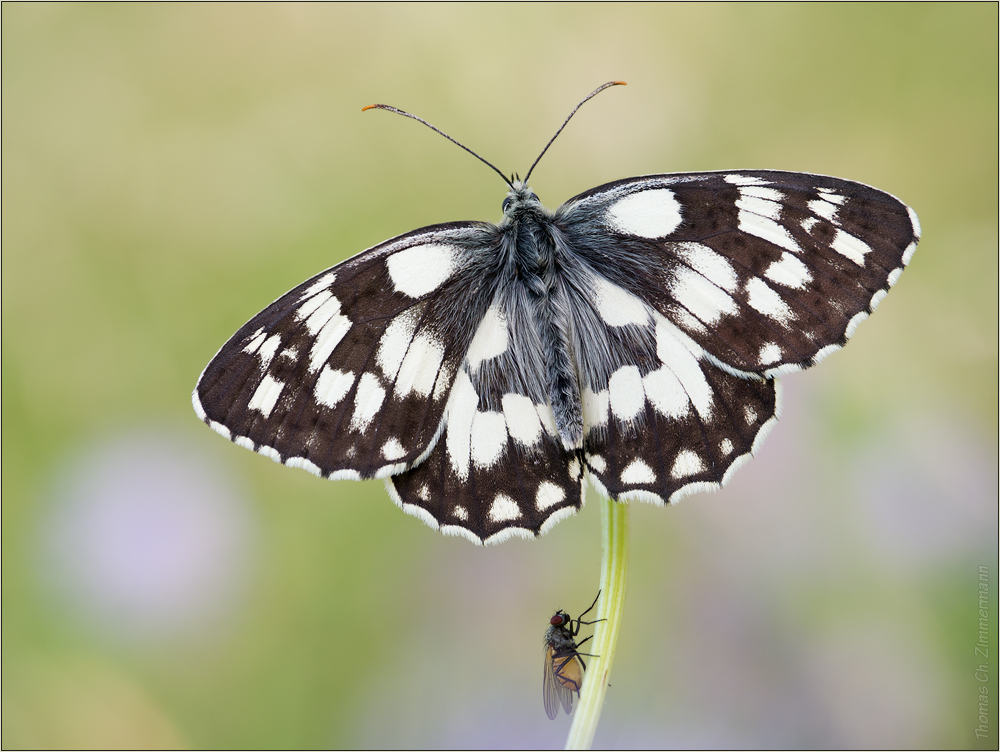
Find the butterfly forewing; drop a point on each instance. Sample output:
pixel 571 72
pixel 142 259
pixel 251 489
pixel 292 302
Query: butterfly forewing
pixel 766 271
pixel 348 374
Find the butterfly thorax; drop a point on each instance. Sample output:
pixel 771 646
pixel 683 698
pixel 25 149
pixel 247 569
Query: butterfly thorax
pixel 528 233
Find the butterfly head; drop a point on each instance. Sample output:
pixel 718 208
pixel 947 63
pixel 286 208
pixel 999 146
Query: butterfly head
pixel 520 200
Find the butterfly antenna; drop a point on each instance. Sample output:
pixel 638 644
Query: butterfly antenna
pixel 586 99
pixel 438 130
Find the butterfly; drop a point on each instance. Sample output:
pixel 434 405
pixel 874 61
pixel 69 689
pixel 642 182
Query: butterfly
pixel 631 338
pixel 564 666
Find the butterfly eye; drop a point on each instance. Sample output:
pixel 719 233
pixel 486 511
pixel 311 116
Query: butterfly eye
pixel 506 203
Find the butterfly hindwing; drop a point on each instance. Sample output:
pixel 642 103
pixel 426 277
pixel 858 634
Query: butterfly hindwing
pixel 348 374
pixel 767 271
pixel 671 422
pixel 500 468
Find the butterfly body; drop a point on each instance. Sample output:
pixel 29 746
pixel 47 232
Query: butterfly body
pixel 631 337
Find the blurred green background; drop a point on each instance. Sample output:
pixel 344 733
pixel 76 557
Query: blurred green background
pixel 168 170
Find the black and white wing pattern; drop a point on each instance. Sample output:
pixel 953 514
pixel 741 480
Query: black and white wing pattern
pixel 348 374
pixel 631 338
pixel 402 357
pixel 720 282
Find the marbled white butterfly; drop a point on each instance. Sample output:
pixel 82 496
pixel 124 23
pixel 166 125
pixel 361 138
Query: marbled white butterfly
pixel 632 337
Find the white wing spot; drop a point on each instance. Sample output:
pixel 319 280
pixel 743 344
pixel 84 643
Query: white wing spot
pixel 268 349
pixel 625 392
pixel 750 414
pixel 488 437
pixel 744 180
pixel 549 494
pixel 850 247
pixel 367 401
pixel 424 494
pixel 443 382
pixel 854 323
pixel 503 509
pixel 769 353
pixel 914 222
pixel 767 229
pixel 834 198
pixel 461 410
pixel 809 223
pixel 269 452
pixel 638 472
pixel 877 298
pixel 595 407
pixel 597 462
pixel 824 209
pixel 266 396
pixel 715 268
pixel 789 271
pixel 665 392
pixel 616 306
pixel 649 214
pixel 763 299
pixel 687 463
pixel 761 201
pixel 318 311
pixel 548 418
pixel 330 327
pixel 332 386
pixel 700 297
pixel 676 350
pixel 319 285
pixel 421 269
pixel 490 339
pixel 574 469
pixel 689 321
pixel 394 342
pixel 393 450
pixel 302 462
pixel 255 341
pixel 313 304
pixel 420 367
pixel 522 419
pixel 725 447
pixel 289 352
pixel 458 511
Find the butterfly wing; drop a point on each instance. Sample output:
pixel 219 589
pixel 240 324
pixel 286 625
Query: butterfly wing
pixel 704 287
pixel 500 468
pixel 348 374
pixel 766 271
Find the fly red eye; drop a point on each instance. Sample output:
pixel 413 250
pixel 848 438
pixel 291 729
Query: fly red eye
pixel 557 620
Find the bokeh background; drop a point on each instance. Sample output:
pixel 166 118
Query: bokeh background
pixel 170 170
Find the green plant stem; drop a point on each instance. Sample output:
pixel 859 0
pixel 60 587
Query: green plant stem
pixel 614 571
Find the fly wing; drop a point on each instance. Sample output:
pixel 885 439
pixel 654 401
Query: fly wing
pixel 551 688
